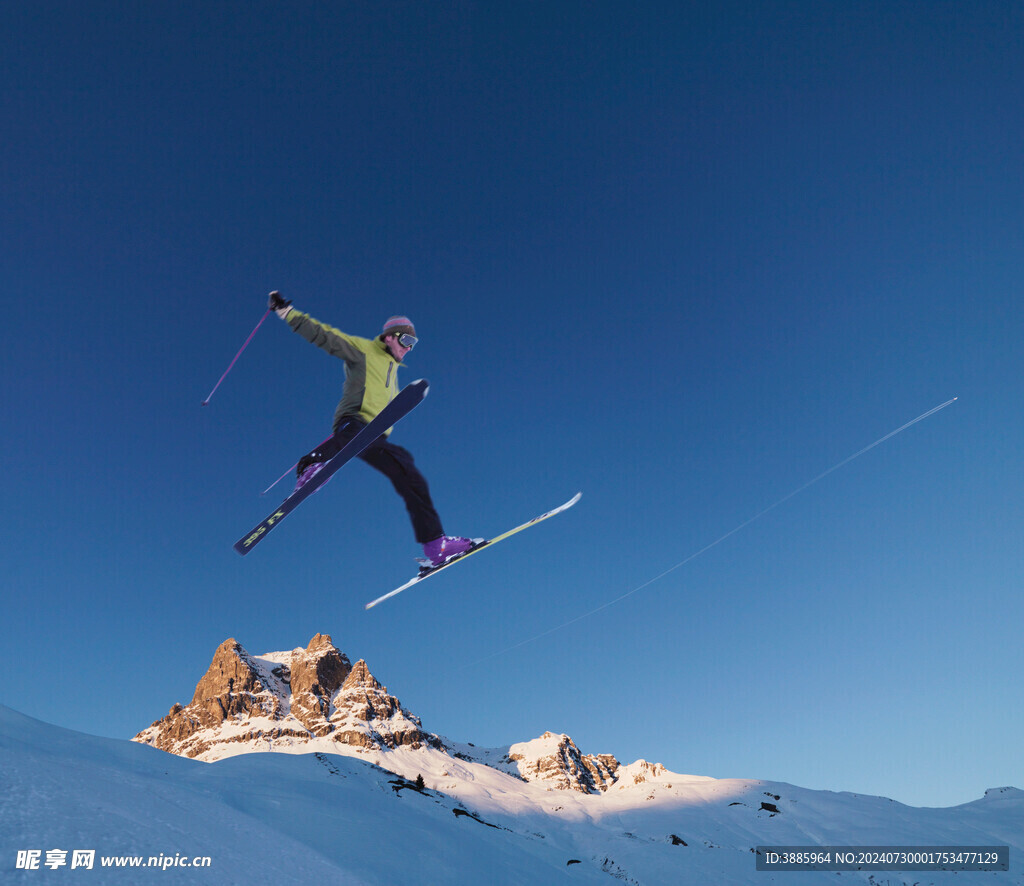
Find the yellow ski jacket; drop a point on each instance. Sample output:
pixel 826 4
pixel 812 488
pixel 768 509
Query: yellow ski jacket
pixel 371 372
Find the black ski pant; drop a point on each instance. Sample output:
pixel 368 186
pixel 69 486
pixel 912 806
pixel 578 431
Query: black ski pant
pixel 397 465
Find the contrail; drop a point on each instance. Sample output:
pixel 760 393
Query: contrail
pixel 729 534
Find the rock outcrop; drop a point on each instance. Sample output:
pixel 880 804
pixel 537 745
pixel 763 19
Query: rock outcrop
pixel 279 700
pixel 315 699
pixel 555 759
pixel 317 673
pixel 364 714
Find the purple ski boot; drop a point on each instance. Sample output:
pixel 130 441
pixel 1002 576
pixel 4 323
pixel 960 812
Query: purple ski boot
pixel 307 473
pixel 442 549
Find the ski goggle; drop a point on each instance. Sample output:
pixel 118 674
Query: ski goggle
pixel 407 341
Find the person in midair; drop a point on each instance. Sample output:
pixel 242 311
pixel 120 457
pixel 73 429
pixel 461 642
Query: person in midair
pixel 371 381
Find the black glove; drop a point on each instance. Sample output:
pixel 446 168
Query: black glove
pixel 278 301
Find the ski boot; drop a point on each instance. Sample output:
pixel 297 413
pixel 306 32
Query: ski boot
pixel 444 548
pixel 306 470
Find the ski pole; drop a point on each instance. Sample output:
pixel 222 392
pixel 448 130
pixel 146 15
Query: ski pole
pixel 239 354
pixel 279 479
pixel 292 468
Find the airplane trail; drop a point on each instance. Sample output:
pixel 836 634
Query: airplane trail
pixel 727 535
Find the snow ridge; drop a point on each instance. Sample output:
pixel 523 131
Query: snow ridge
pixel 588 816
pixel 390 815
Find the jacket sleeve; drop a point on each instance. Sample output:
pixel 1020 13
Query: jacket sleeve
pixel 334 341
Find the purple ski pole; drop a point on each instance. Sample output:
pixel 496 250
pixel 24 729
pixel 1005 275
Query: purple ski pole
pixel 292 468
pixel 239 354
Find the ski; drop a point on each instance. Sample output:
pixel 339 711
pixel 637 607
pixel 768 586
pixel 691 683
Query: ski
pixel 403 403
pixel 428 571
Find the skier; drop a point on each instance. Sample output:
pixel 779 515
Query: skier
pixel 371 381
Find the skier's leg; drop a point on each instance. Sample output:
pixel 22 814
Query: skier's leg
pixel 398 466
pixel 345 431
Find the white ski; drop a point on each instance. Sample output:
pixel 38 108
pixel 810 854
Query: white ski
pixel 427 572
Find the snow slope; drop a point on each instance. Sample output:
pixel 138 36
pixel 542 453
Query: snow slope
pixel 317 817
pixel 261 818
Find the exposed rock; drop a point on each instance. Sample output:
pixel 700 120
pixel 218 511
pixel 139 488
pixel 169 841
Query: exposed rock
pixel 556 759
pixel 233 688
pixel 366 715
pixel 642 771
pixel 316 674
pixel 290 697
pixel 315 697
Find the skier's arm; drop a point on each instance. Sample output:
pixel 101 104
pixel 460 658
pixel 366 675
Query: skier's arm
pixel 334 341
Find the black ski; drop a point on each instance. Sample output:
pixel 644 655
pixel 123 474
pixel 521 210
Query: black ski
pixel 404 402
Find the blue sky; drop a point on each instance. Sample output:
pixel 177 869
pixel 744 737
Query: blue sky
pixel 682 259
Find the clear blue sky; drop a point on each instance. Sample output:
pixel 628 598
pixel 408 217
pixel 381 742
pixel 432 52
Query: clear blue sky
pixel 683 257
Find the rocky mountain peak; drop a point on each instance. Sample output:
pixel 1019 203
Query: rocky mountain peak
pixel 555 759
pixel 230 671
pixel 282 699
pixel 317 673
pixel 314 698
pixel 361 678
pixel 365 714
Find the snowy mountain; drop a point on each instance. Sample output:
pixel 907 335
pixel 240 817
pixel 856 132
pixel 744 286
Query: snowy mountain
pixel 314 699
pixel 257 818
pixel 285 701
pixel 363 794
